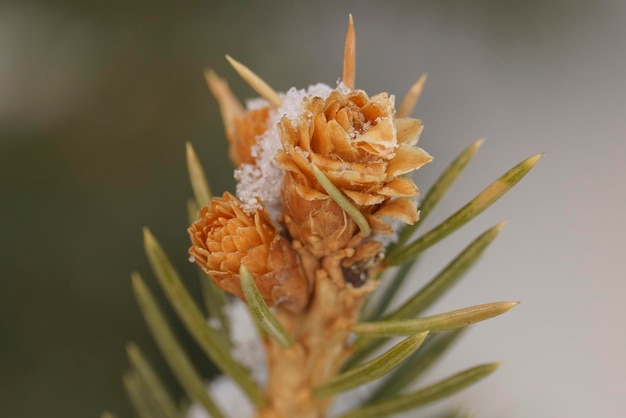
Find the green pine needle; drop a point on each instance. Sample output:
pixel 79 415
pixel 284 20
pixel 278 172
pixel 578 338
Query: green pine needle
pixel 427 295
pixel 435 323
pixel 208 339
pixel 477 205
pixel 260 312
pixel 339 198
pixel 137 396
pixel 199 183
pixel 371 370
pixel 376 305
pixel 448 276
pixel 147 374
pixel 432 393
pixel 434 195
pixel 171 349
pixel 192 210
pixel 438 191
pixel 415 366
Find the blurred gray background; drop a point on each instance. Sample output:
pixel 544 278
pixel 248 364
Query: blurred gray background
pixel 97 100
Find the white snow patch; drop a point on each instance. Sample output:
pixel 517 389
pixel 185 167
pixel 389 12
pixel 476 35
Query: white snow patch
pixel 249 351
pixel 215 323
pixel 260 183
pixel 256 103
pixel 247 348
pixel 342 88
pixel 229 398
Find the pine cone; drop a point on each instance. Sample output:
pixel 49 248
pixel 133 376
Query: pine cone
pixel 225 237
pixel 356 141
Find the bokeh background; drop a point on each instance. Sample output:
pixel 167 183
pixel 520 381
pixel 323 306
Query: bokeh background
pixel 97 100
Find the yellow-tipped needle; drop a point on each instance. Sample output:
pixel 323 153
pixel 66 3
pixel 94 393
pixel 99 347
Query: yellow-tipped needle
pixel 230 108
pixel 256 83
pixel 411 98
pixel 349 53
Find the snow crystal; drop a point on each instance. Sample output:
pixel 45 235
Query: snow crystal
pixel 260 183
pixel 342 88
pixel 256 103
pixel 247 346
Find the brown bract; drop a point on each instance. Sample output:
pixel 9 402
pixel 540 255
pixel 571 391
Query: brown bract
pixel 363 149
pixel 244 133
pixel 224 237
pixel 242 126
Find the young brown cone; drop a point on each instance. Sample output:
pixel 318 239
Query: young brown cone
pixel 224 237
pixel 356 141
